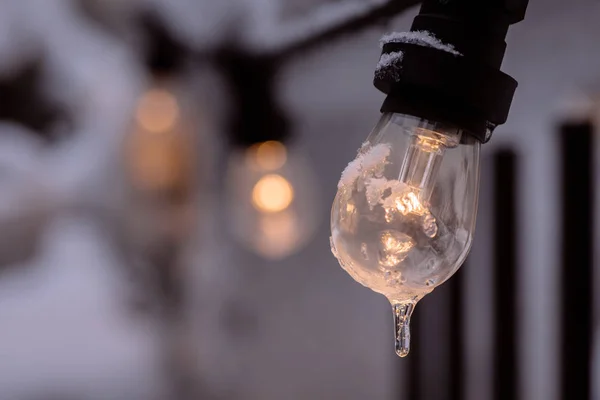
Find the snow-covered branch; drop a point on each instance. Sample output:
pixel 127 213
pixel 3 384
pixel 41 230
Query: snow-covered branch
pixel 327 22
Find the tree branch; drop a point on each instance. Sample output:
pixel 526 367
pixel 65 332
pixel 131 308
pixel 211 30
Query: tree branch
pixel 330 23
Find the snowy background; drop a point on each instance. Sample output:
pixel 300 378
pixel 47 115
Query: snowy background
pixel 71 323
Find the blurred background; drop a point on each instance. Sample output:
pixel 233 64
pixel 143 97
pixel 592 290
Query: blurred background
pixel 167 170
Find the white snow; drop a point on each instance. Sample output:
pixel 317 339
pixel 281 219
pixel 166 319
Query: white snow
pixel 420 38
pixel 388 59
pixel 398 190
pixel 389 65
pixel 350 174
pixel 377 187
pixel 202 24
pixel 370 161
pixel 64 329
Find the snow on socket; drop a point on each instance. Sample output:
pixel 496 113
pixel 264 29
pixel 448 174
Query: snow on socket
pixel 389 65
pixel 420 38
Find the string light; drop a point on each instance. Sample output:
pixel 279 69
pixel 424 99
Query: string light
pixel 271 199
pixel 403 219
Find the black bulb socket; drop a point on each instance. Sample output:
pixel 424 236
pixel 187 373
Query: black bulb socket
pixel 464 87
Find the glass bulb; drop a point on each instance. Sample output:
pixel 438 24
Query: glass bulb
pixel 403 219
pixel 271 199
pixel 162 165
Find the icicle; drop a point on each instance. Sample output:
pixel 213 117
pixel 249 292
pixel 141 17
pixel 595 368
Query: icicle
pixel 402 314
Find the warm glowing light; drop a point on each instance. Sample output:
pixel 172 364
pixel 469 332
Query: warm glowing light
pixel 278 234
pixel 394 247
pixel 159 164
pixel 350 208
pixel 431 141
pixel 408 203
pixel 160 160
pixel 272 193
pixel 349 218
pixel 428 145
pixel 268 156
pixel 157 111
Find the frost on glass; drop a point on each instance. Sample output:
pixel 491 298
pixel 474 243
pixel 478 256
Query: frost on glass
pixel 403 219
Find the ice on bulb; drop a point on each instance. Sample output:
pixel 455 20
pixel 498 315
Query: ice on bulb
pixel 403 219
pixel 271 206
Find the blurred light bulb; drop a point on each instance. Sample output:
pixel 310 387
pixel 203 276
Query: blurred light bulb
pixel 157 111
pixel 268 156
pixel 159 155
pixel 404 215
pixel 271 199
pixel 162 166
pixel 272 193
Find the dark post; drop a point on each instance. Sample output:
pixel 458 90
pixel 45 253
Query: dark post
pixel 415 365
pixel 576 139
pixel 506 365
pixel 432 357
pixel 457 335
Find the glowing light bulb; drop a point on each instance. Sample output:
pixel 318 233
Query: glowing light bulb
pixel 268 156
pixel 404 215
pixel 162 166
pixel 272 193
pixel 271 199
pixel 159 149
pixel 157 111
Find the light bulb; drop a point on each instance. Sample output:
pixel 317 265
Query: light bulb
pixel 271 199
pixel 403 219
pixel 272 193
pixel 162 165
pixel 157 111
